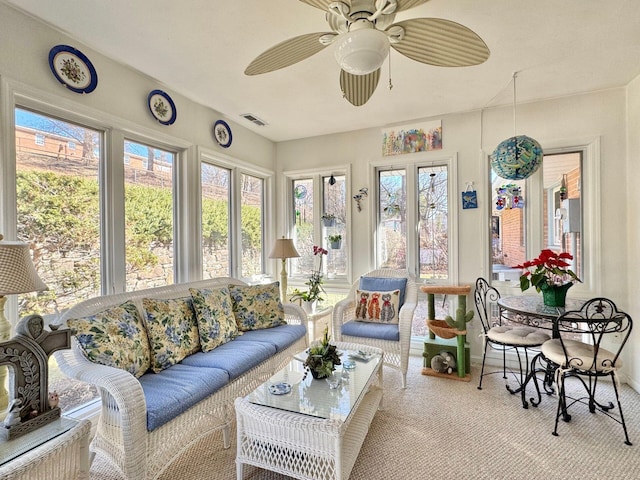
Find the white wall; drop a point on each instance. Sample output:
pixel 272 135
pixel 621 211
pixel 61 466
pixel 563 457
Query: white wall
pixel 632 257
pixel 569 121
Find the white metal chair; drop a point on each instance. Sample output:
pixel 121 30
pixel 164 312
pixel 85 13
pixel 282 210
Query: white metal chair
pixel 598 323
pixel 505 338
pixel 394 341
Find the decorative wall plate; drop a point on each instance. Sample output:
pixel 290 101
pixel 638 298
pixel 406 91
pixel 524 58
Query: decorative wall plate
pixel 222 133
pixel 162 107
pixel 73 69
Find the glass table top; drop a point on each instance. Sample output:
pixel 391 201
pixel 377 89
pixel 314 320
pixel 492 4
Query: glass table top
pixel 313 397
pixel 534 305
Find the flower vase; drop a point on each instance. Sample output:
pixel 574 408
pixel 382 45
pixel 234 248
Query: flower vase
pixel 317 375
pixel 554 295
pixel 309 307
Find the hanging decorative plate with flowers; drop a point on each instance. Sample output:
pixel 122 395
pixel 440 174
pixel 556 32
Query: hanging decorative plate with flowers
pixel 222 133
pixel 162 107
pixel 73 69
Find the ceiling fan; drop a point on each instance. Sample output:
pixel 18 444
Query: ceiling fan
pixel 363 30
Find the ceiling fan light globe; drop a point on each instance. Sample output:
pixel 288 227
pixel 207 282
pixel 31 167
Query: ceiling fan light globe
pixel 361 52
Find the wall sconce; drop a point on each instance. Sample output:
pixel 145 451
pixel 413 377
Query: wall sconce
pixel 362 193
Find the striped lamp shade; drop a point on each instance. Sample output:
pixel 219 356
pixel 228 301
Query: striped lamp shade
pixel 17 272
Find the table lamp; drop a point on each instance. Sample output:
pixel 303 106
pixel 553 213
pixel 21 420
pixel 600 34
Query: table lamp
pixel 284 248
pixel 17 275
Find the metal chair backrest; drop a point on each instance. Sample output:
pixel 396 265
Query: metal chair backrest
pixel 597 322
pixel 485 297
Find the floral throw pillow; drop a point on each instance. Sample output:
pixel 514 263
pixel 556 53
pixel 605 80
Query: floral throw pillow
pixel 257 306
pixel 172 329
pixel 115 337
pixel 378 307
pixel 216 323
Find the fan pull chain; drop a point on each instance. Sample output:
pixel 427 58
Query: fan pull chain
pixel 515 74
pixel 390 84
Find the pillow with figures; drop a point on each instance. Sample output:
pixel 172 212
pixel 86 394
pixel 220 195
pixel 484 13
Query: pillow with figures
pixel 172 329
pixel 257 306
pixel 377 306
pixel 216 323
pixel 115 337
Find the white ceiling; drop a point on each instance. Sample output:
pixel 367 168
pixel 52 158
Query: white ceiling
pixel 200 48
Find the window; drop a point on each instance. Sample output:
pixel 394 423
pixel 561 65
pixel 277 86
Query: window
pixel 319 216
pixel 58 214
pixel 216 203
pixel 252 223
pixel 392 223
pixel 233 210
pixel 39 140
pixel 148 216
pixel 415 195
pixel 433 231
pixel 544 211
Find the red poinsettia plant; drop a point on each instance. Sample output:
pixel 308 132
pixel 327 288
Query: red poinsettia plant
pixel 548 268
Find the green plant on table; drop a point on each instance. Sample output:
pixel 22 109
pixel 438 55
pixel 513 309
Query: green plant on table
pixel 323 357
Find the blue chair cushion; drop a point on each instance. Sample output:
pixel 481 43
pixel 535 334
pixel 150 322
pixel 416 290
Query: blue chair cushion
pixel 280 337
pixel 381 331
pixel 378 284
pixel 234 357
pixel 174 390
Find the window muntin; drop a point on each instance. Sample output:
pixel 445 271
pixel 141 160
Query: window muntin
pixel 215 185
pixel 58 214
pixel 148 214
pixel 252 225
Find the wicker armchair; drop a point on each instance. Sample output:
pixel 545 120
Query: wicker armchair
pixel 396 352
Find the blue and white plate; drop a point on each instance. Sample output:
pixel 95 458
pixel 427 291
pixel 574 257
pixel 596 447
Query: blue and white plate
pixel 162 107
pixel 222 133
pixel 73 69
pixel 281 388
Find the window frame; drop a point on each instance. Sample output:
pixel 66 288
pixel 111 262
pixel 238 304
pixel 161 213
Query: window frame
pixel 236 168
pixel 591 214
pixel 317 176
pixel 411 165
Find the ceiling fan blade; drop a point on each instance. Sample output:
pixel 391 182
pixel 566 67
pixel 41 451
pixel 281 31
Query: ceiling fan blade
pixel 407 4
pixel 322 4
pixel 286 53
pixel 357 89
pixel 442 43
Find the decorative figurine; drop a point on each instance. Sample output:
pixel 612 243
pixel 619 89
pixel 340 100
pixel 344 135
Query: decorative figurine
pixel 13 416
pixel 54 399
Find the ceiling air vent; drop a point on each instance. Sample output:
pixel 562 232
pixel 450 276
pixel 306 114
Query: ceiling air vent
pixel 254 119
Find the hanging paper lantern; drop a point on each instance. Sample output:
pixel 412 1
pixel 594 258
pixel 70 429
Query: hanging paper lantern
pixel 517 158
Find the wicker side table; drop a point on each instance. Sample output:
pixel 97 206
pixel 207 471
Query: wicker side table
pixel 63 455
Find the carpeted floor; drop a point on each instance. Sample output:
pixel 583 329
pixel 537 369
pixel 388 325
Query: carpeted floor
pixel 440 428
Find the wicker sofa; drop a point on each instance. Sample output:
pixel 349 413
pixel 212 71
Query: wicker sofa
pixel 147 422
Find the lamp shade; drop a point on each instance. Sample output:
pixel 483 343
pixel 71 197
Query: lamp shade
pixel 17 272
pixel 361 51
pixel 517 158
pixel 284 248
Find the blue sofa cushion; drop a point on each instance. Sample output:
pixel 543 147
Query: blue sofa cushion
pixel 174 390
pixel 234 357
pixel 281 337
pixel 380 331
pixel 384 285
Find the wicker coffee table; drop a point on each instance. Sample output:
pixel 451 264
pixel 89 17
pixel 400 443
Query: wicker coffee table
pixel 312 432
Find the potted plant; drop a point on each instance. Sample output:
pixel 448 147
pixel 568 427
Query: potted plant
pixel 323 357
pixel 335 241
pixel 551 275
pixel 328 219
pixel 311 296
